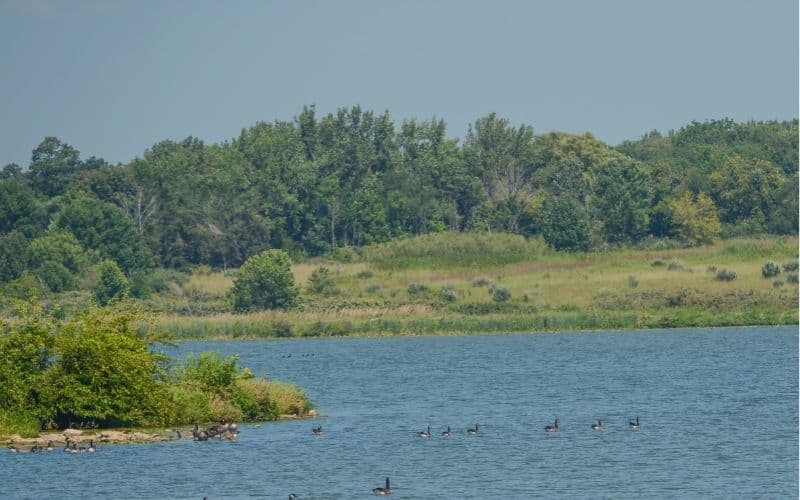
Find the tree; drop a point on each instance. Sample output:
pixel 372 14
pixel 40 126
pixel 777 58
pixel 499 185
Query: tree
pixel 621 200
pixel 565 224
pixel 52 163
pixel 265 281
pixel 104 227
pixel 12 255
pixel 745 189
pixel 112 284
pixel 695 219
pixel 58 259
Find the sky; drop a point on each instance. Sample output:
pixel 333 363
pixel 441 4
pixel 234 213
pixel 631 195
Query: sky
pixel 114 77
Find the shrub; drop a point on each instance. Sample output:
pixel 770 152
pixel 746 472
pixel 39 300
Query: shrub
pixel 373 288
pixel 447 293
pixel 777 283
pixel 417 288
pixel 770 269
pixel 790 266
pixel 112 284
pixel 791 278
pixel 633 282
pixel 675 266
pixel 265 281
pixel 711 269
pixel 321 282
pixel 480 281
pixel 365 274
pixel 208 372
pixel 658 263
pixel 725 275
pixel 501 294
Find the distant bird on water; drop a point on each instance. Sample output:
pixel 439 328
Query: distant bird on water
pixel 386 490
pixel 598 426
pixel 424 434
pixel 552 428
pixel 472 431
pixel 447 433
pixel 634 425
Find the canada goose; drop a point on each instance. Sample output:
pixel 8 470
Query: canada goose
pixel 178 432
pixel 317 431
pixel 292 496
pixel 447 433
pixel 199 435
pixel 552 428
pixel 92 448
pixel 50 446
pixel 473 430
pixel 19 449
pixel 233 428
pixel 386 490
pixel 424 434
pixel 634 425
pixel 598 426
pixel 71 447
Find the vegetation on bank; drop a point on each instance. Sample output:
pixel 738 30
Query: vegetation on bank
pixel 96 370
pixel 381 291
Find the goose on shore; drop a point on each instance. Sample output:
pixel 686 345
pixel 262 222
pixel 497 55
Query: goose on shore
pixel 552 428
pixel 598 426
pixel 472 431
pixel 386 490
pixel 198 434
pixel 634 425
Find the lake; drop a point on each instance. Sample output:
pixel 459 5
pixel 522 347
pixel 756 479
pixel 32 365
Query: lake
pixel 718 411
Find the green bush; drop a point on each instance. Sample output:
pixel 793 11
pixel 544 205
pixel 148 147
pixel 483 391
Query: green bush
pixel 365 274
pixel 321 282
pixel 373 288
pixel 791 278
pixel 501 294
pixel 417 289
pixel 112 284
pixel 725 275
pixel 447 293
pixel 481 281
pixel 209 372
pixel 265 281
pixel 778 283
pixel 790 266
pixel 770 269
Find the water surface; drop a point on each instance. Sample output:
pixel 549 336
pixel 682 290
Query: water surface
pixel 718 411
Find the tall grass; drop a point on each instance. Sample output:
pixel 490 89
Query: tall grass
pixel 443 250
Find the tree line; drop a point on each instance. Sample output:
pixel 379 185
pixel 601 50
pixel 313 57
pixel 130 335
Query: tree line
pixel 354 177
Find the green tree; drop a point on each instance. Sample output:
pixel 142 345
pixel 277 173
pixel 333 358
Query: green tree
pixel 52 163
pixel 112 283
pixel 745 189
pixel 12 255
pixel 695 219
pixel 265 281
pixel 565 224
pixel 621 200
pixel 105 228
pixel 58 259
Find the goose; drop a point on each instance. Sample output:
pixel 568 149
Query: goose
pixel 552 428
pixel 473 430
pixel 424 434
pixel 71 447
pixel 292 496
pixel 178 432
pixel 634 425
pixel 598 426
pixel 233 428
pixel 50 446
pixel 317 431
pixel 19 449
pixel 199 435
pixel 447 433
pixel 92 448
pixel 386 490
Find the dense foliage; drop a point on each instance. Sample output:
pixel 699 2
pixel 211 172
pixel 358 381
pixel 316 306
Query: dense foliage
pixel 315 185
pixel 265 281
pixel 96 370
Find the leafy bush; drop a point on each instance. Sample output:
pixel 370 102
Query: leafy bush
pixel 658 263
pixel 417 289
pixel 112 284
pixel 791 278
pixel 675 266
pixel 725 275
pixel 501 294
pixel 447 293
pixel 481 281
pixel 711 269
pixel 265 281
pixel 778 283
pixel 364 274
pixel 321 282
pixel 209 372
pixel 373 288
pixel 770 269
pixel 790 266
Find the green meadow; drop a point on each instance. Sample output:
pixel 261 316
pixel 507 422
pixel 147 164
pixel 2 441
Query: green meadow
pixel 484 283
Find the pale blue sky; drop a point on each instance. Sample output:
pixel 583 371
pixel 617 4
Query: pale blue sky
pixel 114 77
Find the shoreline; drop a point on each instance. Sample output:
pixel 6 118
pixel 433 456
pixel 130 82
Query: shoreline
pixel 119 436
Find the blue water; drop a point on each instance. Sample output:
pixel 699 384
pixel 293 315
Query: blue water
pixel 718 410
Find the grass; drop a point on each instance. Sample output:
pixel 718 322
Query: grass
pixel 549 291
